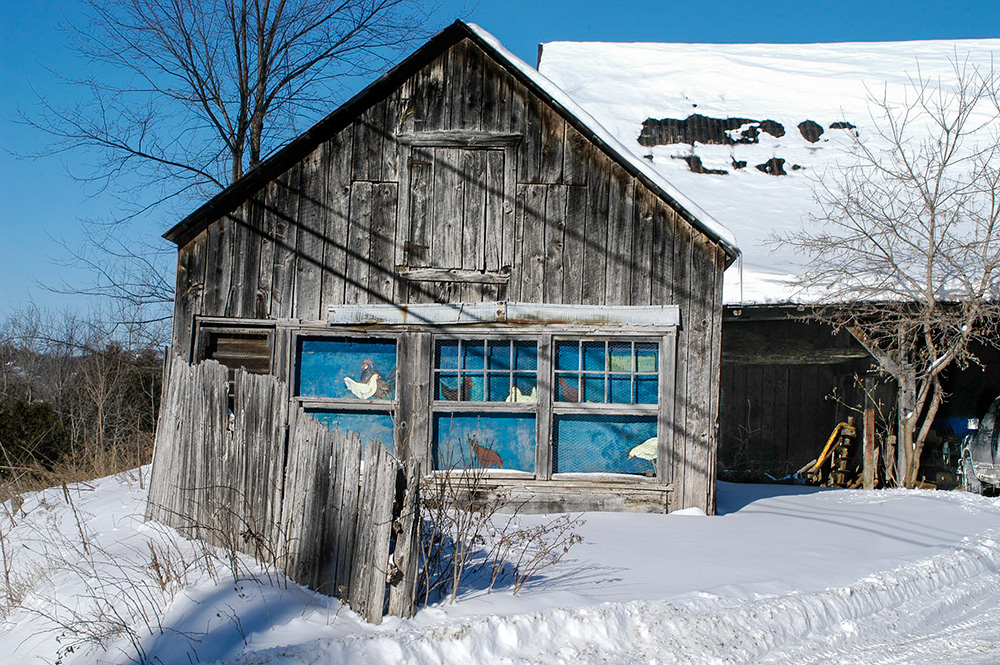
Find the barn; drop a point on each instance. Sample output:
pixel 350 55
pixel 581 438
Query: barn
pixel 745 129
pixel 462 264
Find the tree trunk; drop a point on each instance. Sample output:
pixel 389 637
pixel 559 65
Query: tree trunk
pixel 906 404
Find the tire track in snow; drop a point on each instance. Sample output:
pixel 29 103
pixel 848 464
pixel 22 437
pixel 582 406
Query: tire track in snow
pixel 945 609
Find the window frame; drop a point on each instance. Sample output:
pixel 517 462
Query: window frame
pixel 465 407
pixel 206 327
pixel 313 403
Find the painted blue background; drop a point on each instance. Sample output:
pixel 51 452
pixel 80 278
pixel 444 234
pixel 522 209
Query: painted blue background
pixel 600 444
pixel 511 436
pixel 372 426
pixel 323 364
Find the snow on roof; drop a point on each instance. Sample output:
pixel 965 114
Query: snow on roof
pixel 622 85
pixel 710 224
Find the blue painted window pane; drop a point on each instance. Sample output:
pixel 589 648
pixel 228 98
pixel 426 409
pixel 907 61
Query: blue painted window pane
pixel 447 355
pixel 499 385
pixel 370 425
pixel 498 355
pixel 593 388
pixel 525 356
pixel 473 354
pixel 475 384
pixel 526 383
pixel 568 355
pixel 647 390
pixel 347 368
pixel 647 357
pixel 621 388
pixel 593 356
pixel 484 440
pixel 588 443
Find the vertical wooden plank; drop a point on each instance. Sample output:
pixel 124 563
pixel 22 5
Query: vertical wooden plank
pixel 574 243
pixel 189 292
pixel 219 263
pixel 420 382
pixel 433 109
pixel 369 130
pixel 510 249
pixel 381 266
pixel 531 146
pixel 555 231
pixel 266 202
pixel 246 256
pixel 403 587
pixel 493 97
pixel 619 247
pixel 642 248
pixel 494 214
pixel 449 194
pixel 310 238
pixel 474 210
pixel 531 224
pixel 684 443
pixel 337 206
pixel 350 479
pixel 543 415
pixel 390 147
pixel 595 251
pixel 576 157
pixel 285 232
pixel 665 429
pixel 662 254
pixel 358 244
pixel 550 167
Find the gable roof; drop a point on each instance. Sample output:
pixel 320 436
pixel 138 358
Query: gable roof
pixel 236 194
pixel 624 84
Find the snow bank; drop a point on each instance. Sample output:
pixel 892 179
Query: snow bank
pixel 783 575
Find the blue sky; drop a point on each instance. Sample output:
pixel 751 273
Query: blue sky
pixel 42 204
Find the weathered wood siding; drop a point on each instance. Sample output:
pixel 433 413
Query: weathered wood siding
pixel 570 225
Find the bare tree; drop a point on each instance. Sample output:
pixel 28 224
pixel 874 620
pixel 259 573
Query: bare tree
pixel 905 253
pixel 187 95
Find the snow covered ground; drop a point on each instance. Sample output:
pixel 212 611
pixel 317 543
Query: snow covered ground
pixel 783 575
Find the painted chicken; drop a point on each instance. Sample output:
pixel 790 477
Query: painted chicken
pixel 370 384
pixel 452 394
pixel 568 392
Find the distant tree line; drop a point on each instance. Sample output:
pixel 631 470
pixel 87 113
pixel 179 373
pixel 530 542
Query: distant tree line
pixel 78 396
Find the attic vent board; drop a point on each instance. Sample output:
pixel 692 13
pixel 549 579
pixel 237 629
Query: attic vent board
pixel 459 138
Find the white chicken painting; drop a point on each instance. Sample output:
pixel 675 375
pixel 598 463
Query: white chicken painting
pixel 370 384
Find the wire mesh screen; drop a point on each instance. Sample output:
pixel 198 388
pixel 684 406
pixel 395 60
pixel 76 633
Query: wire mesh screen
pixel 484 440
pixel 591 443
pixel 607 372
pixel 370 425
pixel 481 370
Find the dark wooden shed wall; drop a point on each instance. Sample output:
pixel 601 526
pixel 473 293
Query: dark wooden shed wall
pixel 573 224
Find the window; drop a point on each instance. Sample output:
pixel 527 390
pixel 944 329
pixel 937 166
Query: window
pixel 246 348
pixel 349 383
pixel 608 372
pixel 485 396
pixel 605 406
